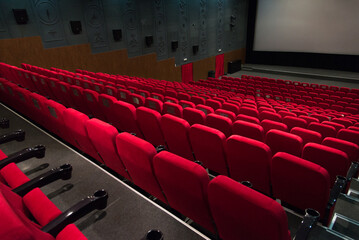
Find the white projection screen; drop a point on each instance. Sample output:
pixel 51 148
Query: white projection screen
pixel 315 26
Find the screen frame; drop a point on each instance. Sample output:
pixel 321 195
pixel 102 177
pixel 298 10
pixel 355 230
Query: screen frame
pixel 297 59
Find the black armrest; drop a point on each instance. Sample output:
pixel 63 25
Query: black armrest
pixel 160 148
pixel 338 187
pixel 97 201
pixel 353 170
pixel 4 123
pixel 310 220
pixel 18 135
pixel 38 151
pixel 63 172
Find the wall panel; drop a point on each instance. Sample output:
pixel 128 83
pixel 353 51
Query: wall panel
pixel 30 50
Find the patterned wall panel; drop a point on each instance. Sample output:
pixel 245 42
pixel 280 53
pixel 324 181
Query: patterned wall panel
pixel 203 44
pixel 132 31
pixel 183 29
pixel 3 27
pixel 160 25
pixel 49 22
pixel 220 24
pixel 96 26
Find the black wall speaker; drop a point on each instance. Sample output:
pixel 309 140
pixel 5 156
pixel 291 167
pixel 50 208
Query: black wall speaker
pixel 20 16
pixel 117 35
pixel 174 45
pixel 76 27
pixel 195 49
pixel 149 41
pixel 234 66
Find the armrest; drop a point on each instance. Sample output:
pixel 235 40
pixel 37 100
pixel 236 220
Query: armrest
pixel 38 151
pixel 338 187
pixel 18 135
pixel 160 148
pixel 63 172
pixel 97 201
pixel 310 220
pixel 4 123
pixel 353 170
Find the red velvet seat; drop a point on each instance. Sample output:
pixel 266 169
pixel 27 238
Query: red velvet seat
pixel 248 129
pixel 75 123
pixel 213 104
pixel 220 123
pixel 137 155
pixel 208 147
pixel 270 116
pixel 106 103
pixel 176 134
pixel 238 211
pixel 248 118
pixel 346 122
pixel 91 99
pixel 76 94
pixel 351 149
pixel 149 123
pixel 336 162
pixel 249 160
pixel 185 185
pixel 206 109
pixel 337 126
pixel 136 100
pixel 269 124
pixel 124 118
pixel 16 224
pixel 280 141
pixel 300 183
pixel 248 111
pixel 226 113
pixel 154 104
pixel 54 115
pixel 292 122
pixel 307 135
pixel 194 116
pixel 349 135
pixel 173 109
pixel 325 130
pixel 103 136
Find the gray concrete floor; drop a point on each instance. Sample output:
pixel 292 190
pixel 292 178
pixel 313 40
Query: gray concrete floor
pixel 349 79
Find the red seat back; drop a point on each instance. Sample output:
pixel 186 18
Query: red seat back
pixel 237 210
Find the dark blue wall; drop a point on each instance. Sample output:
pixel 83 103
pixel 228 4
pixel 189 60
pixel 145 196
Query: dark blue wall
pixel 205 23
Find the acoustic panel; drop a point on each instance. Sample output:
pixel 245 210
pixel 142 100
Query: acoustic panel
pixel 203 27
pixel 183 30
pixel 49 22
pixel 96 26
pixel 132 31
pixel 161 27
pixel 220 25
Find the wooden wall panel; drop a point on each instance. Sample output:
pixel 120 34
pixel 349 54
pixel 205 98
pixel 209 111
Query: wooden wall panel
pixel 234 55
pixel 201 68
pixel 30 50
